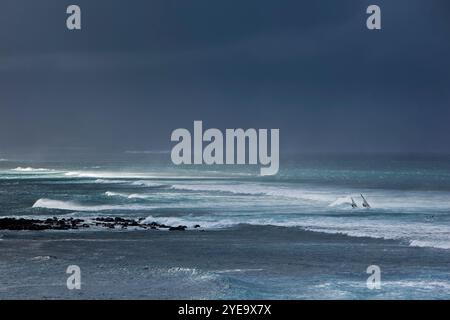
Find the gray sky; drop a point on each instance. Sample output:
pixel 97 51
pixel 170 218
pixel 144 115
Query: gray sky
pixel 142 68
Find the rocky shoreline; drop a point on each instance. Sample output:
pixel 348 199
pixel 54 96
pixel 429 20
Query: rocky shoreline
pixel 72 224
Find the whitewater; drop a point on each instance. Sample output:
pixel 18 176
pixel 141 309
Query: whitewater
pixel 309 198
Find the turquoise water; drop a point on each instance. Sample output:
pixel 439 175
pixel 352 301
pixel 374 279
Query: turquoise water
pixel 409 198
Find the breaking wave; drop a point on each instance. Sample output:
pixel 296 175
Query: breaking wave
pixel 347 200
pixel 73 206
pixel 110 181
pixel 415 234
pixel 259 190
pixel 145 183
pixel 128 196
pixel 30 169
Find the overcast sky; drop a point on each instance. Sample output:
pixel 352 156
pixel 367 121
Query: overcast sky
pixel 139 69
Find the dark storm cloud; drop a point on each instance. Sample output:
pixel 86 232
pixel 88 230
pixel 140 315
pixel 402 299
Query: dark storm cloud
pixel 140 69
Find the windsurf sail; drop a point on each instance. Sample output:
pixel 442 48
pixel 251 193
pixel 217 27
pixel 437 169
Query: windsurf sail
pixel 354 205
pixel 365 203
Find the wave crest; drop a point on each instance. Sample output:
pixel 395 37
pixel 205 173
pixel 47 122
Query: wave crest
pixel 30 169
pixel 125 195
pixel 73 206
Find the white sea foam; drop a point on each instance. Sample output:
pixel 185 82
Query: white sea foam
pixel 238 270
pixel 126 195
pixel 430 243
pixel 331 205
pixel 107 175
pixel 259 190
pixel 134 175
pixel 73 206
pixel 110 181
pixel 30 169
pixel 416 234
pixel 140 183
pixel 190 222
pixel 146 183
pixel 232 188
pixel 139 196
pixel 400 201
pixel 428 284
pixel 185 274
pixel 192 271
pixel 341 201
pixel 41 258
pixel 115 194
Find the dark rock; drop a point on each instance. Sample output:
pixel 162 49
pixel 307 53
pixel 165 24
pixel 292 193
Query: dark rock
pixel 71 223
pixel 179 228
pixel 104 219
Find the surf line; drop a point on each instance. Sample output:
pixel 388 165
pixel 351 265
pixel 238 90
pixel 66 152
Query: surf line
pixel 208 147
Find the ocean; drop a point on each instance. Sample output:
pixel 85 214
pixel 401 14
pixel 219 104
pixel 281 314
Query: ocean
pixel 290 236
